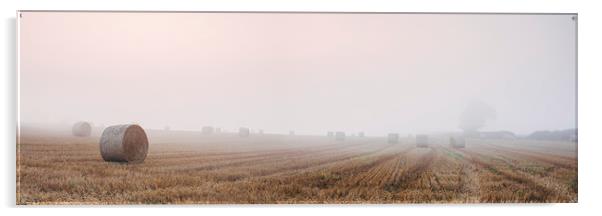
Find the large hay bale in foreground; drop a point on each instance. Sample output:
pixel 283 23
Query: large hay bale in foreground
pixel 124 143
pixel 82 129
pixel 243 132
pixel 457 142
pixel 339 136
pixel 393 138
pixel 422 141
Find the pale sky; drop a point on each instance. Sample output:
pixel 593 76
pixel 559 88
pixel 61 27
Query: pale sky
pixel 312 73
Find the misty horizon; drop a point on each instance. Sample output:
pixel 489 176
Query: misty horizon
pixel 309 73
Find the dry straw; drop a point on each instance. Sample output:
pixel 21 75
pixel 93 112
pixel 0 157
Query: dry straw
pixel 124 143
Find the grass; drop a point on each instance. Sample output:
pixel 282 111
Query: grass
pixel 192 168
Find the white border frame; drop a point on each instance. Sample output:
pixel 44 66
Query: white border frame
pixel 589 100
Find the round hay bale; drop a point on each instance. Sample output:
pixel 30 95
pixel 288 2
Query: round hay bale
pixel 393 138
pixel 207 130
pixel 339 136
pixel 244 132
pixel 124 143
pixel 457 142
pixel 82 129
pixel 422 141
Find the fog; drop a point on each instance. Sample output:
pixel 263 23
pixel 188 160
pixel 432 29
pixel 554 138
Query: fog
pixel 308 73
pixel 476 116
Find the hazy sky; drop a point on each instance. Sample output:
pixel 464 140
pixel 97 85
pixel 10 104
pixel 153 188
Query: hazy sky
pixel 311 73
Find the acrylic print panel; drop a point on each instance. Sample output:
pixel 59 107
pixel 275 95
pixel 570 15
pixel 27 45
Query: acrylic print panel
pixel 201 107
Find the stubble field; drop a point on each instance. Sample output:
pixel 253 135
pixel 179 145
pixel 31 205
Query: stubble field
pixel 188 167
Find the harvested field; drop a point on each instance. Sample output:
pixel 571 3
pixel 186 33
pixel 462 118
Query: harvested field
pixel 187 167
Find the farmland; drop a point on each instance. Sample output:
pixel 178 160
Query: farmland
pixel 189 167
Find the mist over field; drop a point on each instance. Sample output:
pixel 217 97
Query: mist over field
pixel 308 73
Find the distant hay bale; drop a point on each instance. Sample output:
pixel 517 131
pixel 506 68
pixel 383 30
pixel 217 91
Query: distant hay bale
pixel 422 141
pixel 82 129
pixel 360 134
pixel 207 130
pixel 243 132
pixel 457 142
pixel 124 143
pixel 339 136
pixel 393 138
